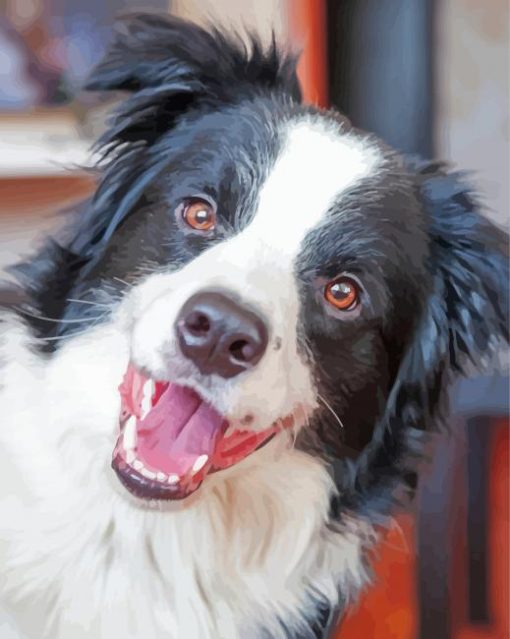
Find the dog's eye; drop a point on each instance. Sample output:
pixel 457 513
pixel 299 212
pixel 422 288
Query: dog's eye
pixel 199 214
pixel 342 293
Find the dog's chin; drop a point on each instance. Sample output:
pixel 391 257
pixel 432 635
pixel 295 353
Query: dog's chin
pixel 171 439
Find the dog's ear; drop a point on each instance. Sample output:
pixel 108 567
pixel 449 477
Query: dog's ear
pixel 170 66
pixel 464 320
pixel 151 51
pixel 466 314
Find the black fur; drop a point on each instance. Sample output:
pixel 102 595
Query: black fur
pixel 435 270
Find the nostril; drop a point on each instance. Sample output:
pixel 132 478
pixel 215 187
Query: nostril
pixel 197 323
pixel 243 351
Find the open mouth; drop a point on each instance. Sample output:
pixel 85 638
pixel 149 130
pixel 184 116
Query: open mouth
pixel 171 438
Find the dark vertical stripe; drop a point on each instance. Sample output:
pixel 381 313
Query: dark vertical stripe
pixel 436 513
pixel 381 68
pixel 478 469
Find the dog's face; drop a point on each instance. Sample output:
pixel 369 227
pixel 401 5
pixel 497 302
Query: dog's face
pixel 297 240
pixel 285 270
pixel 282 244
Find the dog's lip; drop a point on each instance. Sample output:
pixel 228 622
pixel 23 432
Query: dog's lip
pixel 152 457
pixel 144 488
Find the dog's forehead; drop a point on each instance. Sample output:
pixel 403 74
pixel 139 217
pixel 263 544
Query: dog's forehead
pixel 317 163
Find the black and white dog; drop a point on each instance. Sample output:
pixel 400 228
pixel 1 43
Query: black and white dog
pixel 225 370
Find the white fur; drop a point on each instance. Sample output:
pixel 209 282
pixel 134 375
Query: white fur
pixel 80 558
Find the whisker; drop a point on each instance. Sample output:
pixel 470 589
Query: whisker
pixel 59 321
pixel 56 338
pixel 59 337
pixel 330 410
pixel 71 299
pixel 118 279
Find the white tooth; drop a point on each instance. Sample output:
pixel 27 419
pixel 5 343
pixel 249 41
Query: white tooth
pixel 137 464
pixel 161 476
pixel 129 439
pixel 148 392
pixel 200 463
pixel 173 479
pixel 130 456
pixel 148 473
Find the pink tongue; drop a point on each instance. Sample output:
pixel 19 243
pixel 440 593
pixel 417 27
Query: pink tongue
pixel 179 430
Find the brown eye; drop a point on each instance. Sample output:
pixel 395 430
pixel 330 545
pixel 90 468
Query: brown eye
pixel 199 214
pixel 342 293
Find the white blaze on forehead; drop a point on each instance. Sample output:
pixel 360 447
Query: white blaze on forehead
pixel 317 163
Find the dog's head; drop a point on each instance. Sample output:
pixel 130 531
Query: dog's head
pixel 285 272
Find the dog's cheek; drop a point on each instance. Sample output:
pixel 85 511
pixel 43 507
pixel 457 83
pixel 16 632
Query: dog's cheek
pixel 281 385
pixel 148 316
pixel 153 333
pixel 142 295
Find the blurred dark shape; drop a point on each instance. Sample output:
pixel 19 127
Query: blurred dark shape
pixel 380 67
pixel 26 80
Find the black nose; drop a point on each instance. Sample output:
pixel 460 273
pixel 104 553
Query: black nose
pixel 219 335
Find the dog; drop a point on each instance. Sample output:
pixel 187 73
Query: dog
pixel 218 381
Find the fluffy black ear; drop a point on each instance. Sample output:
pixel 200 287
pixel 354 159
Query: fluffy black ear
pixel 467 313
pixel 171 65
pixel 464 320
pixel 150 50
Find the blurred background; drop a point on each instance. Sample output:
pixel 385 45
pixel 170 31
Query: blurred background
pixel 430 77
